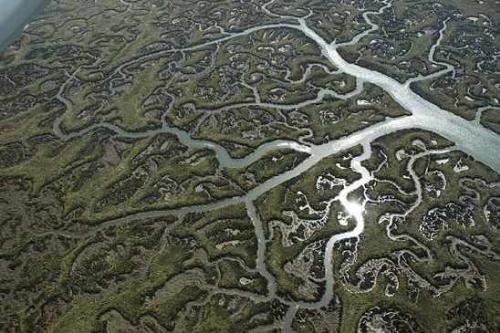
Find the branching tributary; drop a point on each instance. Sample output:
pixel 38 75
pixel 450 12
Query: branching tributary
pixel 470 137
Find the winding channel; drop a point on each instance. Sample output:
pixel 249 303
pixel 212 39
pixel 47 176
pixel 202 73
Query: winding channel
pixel 470 137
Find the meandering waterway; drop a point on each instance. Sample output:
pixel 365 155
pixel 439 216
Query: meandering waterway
pixel 470 137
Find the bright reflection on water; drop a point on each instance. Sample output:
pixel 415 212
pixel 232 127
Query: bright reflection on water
pixel 355 209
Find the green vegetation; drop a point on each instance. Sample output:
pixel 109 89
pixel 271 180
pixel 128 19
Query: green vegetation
pixel 135 195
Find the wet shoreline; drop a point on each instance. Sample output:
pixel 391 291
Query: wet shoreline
pixel 16 15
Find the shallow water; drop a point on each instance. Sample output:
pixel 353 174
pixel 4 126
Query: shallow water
pixel 468 136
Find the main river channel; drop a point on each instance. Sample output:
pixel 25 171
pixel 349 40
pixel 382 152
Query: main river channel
pixel 470 137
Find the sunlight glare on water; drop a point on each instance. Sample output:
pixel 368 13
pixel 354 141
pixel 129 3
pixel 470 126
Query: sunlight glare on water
pixel 355 209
